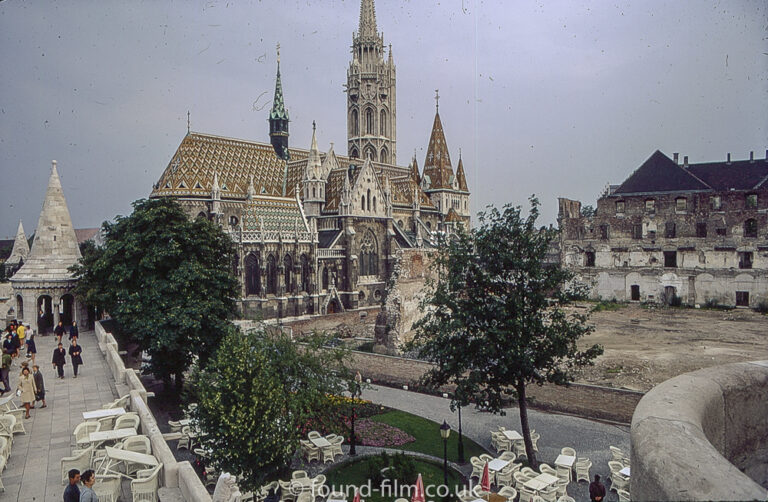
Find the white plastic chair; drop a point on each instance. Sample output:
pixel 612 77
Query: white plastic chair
pixel 336 445
pixel 477 467
pixel 549 494
pixel 526 494
pixel 546 468
pixel 616 453
pixel 466 496
pixel 138 444
pixel 566 498
pixel 83 430
pixel 535 436
pixel 128 421
pixel 144 487
pixel 508 456
pixel 19 425
pixel 566 450
pixel 581 466
pixel 619 482
pixel 107 488
pixel 508 492
pixel 81 462
pixel 623 496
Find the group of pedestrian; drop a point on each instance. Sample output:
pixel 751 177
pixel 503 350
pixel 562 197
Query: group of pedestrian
pixel 73 493
pixel 60 357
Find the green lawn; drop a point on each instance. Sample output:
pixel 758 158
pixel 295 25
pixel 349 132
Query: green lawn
pixel 356 474
pixel 427 434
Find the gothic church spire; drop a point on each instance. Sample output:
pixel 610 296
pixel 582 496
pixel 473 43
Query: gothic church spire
pixel 367 19
pixel 278 117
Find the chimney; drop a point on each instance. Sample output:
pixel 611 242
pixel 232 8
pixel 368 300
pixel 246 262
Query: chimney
pixel 675 157
pixel 751 156
pixel 685 161
pixel 728 162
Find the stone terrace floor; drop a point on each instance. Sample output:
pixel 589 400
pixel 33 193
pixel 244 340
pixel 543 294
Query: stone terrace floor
pixel 34 467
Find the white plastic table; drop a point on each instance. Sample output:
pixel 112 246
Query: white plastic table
pixel 565 461
pixel 113 435
pixel 114 455
pixel 320 442
pixel 111 412
pixel 540 482
pixel 513 435
pixel 625 471
pixel 497 464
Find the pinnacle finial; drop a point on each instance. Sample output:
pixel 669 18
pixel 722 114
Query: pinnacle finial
pixel 278 53
pixel 53 163
pixel 437 99
pixel 187 121
pixel 314 126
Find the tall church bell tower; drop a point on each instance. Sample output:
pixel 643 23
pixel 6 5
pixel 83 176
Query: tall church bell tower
pixel 371 99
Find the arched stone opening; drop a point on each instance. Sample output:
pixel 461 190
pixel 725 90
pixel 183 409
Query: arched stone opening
pixel 44 314
pixel 67 309
pixel 19 307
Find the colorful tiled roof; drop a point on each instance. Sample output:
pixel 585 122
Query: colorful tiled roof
pixel 461 178
pixel 199 156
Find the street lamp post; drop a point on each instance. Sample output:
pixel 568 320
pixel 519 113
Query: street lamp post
pixel 445 431
pixel 356 391
pixel 461 441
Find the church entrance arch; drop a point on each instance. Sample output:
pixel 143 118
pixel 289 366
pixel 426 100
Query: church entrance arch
pixel 334 307
pixel 44 314
pixel 66 309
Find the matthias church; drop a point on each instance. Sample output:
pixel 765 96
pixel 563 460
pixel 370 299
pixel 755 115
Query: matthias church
pixel 318 232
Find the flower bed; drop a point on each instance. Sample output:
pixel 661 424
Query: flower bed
pixel 371 433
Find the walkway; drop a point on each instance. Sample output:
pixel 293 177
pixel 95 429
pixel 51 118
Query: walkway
pixel 34 467
pixel 590 439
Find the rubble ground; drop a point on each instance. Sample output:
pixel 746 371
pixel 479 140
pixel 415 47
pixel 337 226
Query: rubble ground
pixel 646 345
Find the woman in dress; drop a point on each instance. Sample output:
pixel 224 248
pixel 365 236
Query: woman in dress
pixel 26 389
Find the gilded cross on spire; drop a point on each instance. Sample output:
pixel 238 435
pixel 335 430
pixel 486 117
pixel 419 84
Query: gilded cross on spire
pixel 437 99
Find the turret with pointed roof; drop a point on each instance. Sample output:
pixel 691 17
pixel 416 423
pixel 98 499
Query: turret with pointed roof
pixel 461 178
pixel 438 173
pixel 19 252
pixel 278 118
pixel 55 247
pixel 313 184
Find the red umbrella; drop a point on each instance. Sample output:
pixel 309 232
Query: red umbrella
pixel 357 496
pixel 418 495
pixel 485 481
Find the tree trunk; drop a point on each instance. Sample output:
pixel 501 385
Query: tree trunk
pixel 523 405
pixel 179 380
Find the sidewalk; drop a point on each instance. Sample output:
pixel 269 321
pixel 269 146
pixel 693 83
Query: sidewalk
pixel 34 467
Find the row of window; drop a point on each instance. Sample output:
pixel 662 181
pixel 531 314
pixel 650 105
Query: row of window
pixel 670 259
pixel 670 230
pixel 742 297
pixel 253 277
pixel 370 151
pixel 370 125
pixel 681 204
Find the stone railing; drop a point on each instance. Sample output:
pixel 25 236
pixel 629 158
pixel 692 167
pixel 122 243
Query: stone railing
pixel 702 436
pixel 179 475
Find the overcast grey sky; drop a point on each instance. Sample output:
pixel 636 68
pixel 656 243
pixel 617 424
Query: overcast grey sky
pixel 555 98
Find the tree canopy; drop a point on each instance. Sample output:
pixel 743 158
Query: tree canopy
pixel 494 321
pixel 256 393
pixel 166 279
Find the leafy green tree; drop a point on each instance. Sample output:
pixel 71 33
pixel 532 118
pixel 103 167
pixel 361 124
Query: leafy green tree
pixel 166 279
pixel 494 320
pixel 256 393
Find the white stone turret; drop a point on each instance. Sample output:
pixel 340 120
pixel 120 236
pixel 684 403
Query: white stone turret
pixel 313 184
pixel 19 253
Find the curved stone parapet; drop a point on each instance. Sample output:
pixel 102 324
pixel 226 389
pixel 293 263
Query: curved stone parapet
pixel 694 436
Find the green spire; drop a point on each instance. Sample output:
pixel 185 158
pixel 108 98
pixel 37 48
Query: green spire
pixel 278 105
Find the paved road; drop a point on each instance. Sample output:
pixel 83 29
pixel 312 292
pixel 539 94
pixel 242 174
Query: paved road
pixel 34 467
pixel 590 439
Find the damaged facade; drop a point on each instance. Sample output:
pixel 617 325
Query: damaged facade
pixel 318 232
pixel 694 233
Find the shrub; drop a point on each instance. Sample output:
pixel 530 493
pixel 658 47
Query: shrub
pixel 762 307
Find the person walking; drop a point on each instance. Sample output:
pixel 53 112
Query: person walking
pixel 596 490
pixel 5 371
pixel 58 331
pixel 39 384
pixel 72 492
pixel 21 330
pixel 87 494
pixel 27 390
pixel 31 348
pixel 74 353
pixel 73 331
pixel 59 359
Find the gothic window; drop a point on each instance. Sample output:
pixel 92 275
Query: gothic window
pixel 325 278
pixel 305 273
pixel 355 124
pixel 374 204
pixel 287 270
pixel 384 156
pixel 369 255
pixel 271 276
pixel 369 199
pixel 233 221
pixel 202 214
pixel 370 152
pixel 314 192
pixel 383 123
pixel 369 121
pixel 354 153
pixel 750 228
pixel 362 203
pixel 252 277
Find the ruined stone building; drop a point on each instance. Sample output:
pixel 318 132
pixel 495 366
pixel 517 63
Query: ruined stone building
pixel 316 231
pixel 694 233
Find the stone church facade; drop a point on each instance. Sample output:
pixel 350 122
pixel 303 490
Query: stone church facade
pixel 318 232
pixel 674 231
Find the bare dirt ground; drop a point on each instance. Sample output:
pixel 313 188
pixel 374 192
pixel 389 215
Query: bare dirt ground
pixel 645 346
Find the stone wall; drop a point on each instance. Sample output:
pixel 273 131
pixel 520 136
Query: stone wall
pixel 702 436
pixel 175 474
pixel 578 399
